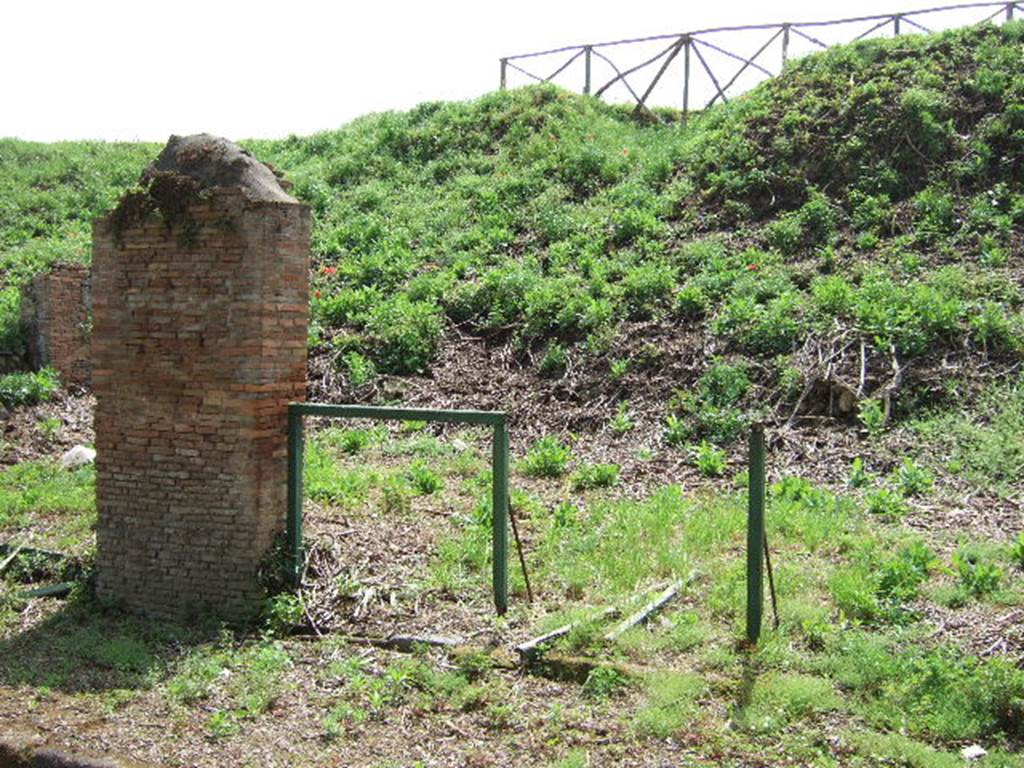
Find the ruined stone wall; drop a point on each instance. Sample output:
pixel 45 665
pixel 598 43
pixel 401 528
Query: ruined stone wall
pixel 199 344
pixel 57 316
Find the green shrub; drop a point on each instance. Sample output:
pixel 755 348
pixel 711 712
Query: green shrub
pixel 359 369
pixel 977 577
pixel 810 226
pixel 547 457
pixel 283 612
pixel 18 389
pixel 722 384
pixel 925 113
pixel 554 362
pixel 565 309
pixel 621 423
pixel 1017 551
pixel 886 503
pixel 872 415
pixel 913 480
pixel 900 578
pixel 772 327
pixel 871 214
pixel 590 476
pixel 677 431
pixel 423 480
pixel 647 288
pixel 936 212
pixel 912 317
pixel 404 335
pixel 859 477
pixel 11 340
pixel 833 295
pixel 692 302
pixel 709 460
pixel 996 329
pixel 604 682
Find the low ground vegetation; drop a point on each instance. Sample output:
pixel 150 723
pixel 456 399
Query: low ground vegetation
pixel 837 255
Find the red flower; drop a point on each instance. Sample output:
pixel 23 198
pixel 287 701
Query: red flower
pixel 317 294
pixel 752 267
pixel 328 270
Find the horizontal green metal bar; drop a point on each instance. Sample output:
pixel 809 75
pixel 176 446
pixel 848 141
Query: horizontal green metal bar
pixel 491 418
pixel 53 590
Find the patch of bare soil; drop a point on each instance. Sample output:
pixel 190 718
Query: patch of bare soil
pixel 48 429
pixel 539 721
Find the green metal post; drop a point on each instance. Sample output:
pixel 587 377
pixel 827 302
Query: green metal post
pixel 294 522
pixel 755 536
pixel 500 517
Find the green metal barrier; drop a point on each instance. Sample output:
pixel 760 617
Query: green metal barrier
pixel 755 536
pixel 499 461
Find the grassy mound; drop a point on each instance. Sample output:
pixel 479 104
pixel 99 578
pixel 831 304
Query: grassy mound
pixel 833 241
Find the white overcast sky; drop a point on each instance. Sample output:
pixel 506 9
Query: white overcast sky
pixel 138 69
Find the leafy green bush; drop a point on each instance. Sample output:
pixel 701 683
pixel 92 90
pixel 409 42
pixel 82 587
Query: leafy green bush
pixel 28 388
pixel 282 612
pixel 886 503
pixel 677 431
pixel 872 415
pixel 423 480
pixel 590 476
pixel 772 327
pixel 995 328
pixel 691 301
pixel 359 369
pixel 913 479
pixel 929 690
pixel 901 576
pixel 859 477
pixel 554 362
pixel 621 423
pixel 712 410
pixel 547 457
pixel 977 577
pixel 709 460
pixel 11 340
pixel 1017 551
pixel 936 212
pixel 647 288
pixel 723 384
pixel 404 334
pixel 810 226
pixel 604 682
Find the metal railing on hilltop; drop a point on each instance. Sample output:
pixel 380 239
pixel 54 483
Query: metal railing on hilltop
pixel 723 71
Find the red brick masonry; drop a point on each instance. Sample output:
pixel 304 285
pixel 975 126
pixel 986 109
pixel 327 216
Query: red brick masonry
pixel 56 315
pixel 199 344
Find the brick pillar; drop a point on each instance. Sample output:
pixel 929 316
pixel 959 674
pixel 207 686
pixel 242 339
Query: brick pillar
pixel 200 309
pixel 57 317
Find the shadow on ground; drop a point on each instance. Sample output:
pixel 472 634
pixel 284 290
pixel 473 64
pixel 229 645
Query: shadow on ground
pixel 86 647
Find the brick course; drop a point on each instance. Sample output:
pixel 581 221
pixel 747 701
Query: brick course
pixel 199 344
pixel 56 315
